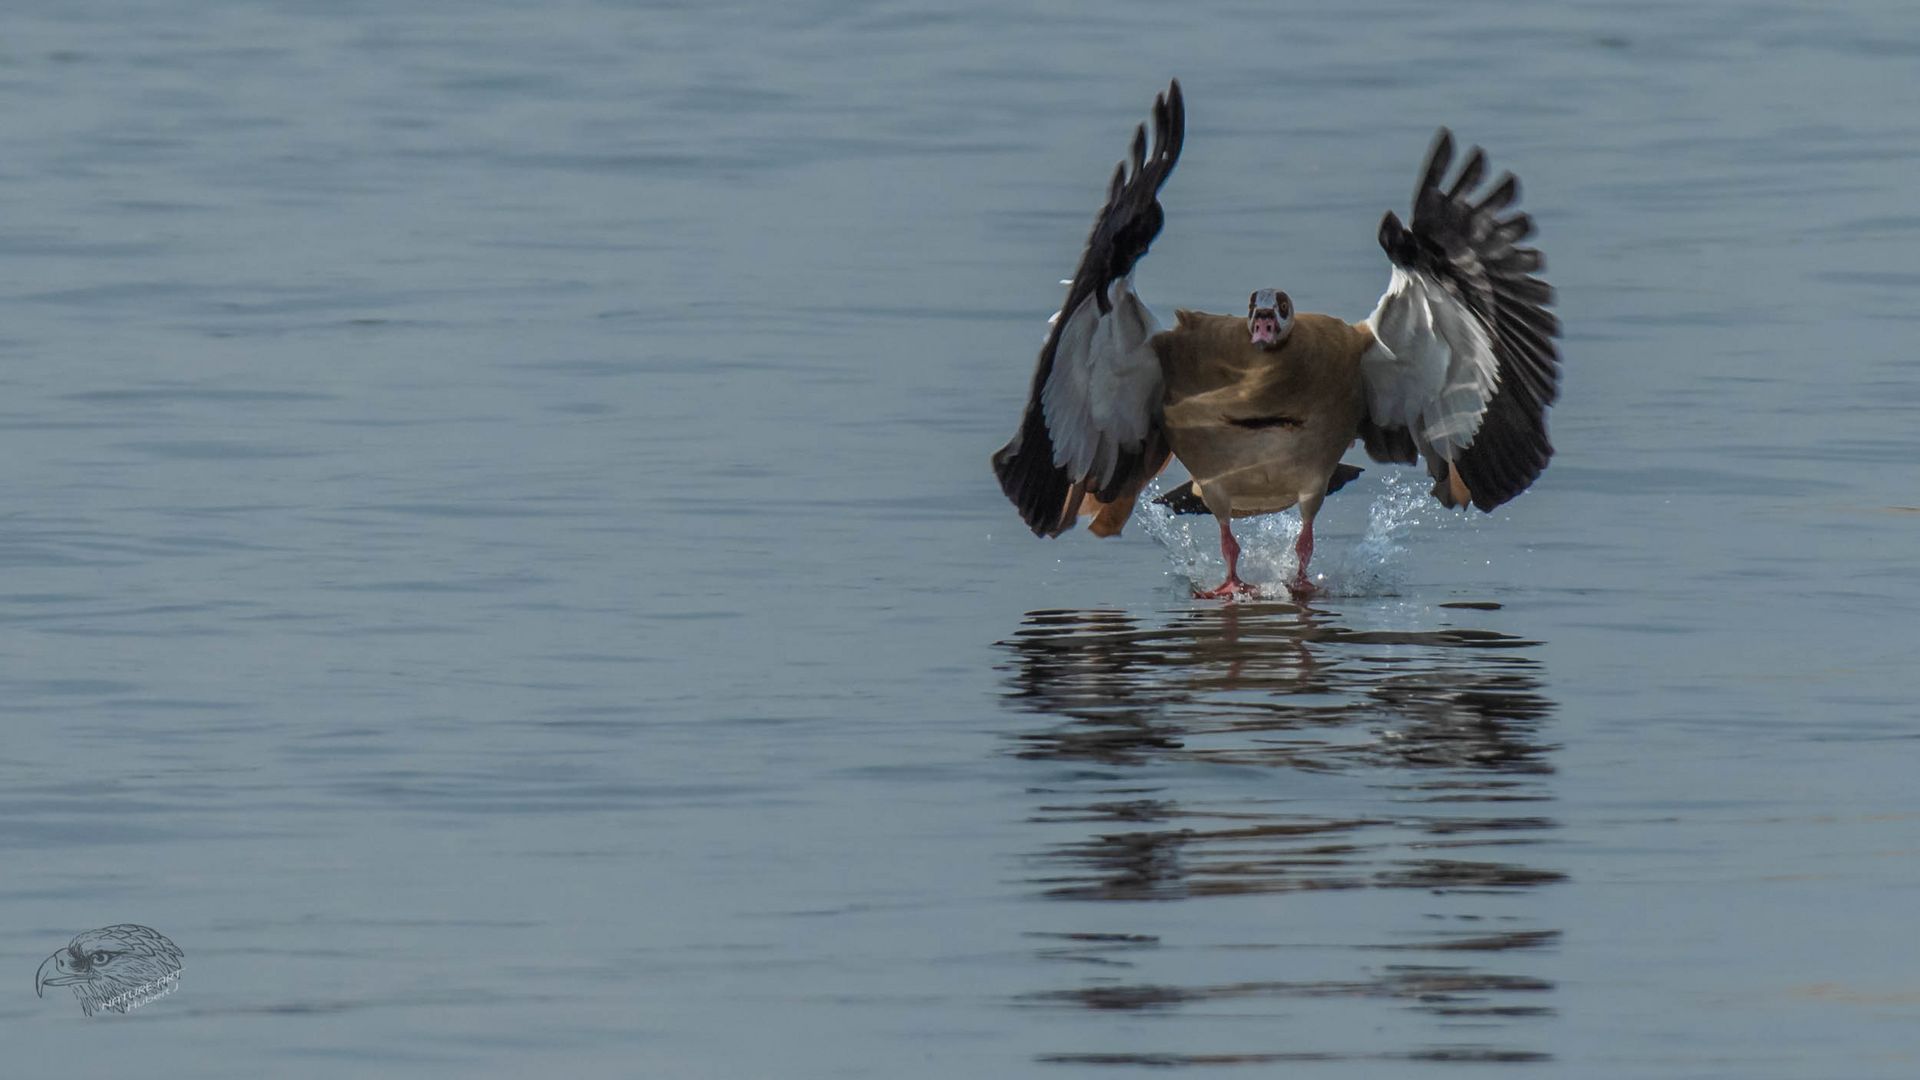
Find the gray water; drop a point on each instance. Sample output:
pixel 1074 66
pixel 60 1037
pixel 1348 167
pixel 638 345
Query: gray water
pixel 498 560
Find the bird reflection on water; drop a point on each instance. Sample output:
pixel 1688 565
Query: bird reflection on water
pixel 1442 730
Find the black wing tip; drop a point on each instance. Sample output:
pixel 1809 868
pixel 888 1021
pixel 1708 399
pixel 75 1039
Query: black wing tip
pixel 1395 240
pixel 1506 192
pixel 1490 499
pixel 1169 127
pixel 1177 108
pixel 1470 173
pixel 1439 160
pixel 1502 469
pixel 1184 499
pixel 1037 489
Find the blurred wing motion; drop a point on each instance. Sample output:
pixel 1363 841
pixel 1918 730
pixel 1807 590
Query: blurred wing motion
pixel 1463 364
pixel 1092 422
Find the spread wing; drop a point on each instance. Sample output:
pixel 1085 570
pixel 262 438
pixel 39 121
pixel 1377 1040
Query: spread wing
pixel 1092 422
pixel 1463 365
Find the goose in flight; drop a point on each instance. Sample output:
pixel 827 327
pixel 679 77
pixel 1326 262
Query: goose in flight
pixel 1456 365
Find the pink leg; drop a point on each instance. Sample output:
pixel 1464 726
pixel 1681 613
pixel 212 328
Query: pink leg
pixel 1233 586
pixel 1300 587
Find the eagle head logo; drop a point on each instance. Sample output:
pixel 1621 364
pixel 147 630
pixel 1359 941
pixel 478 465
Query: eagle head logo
pixel 115 968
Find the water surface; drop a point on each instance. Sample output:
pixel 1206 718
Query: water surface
pixel 500 565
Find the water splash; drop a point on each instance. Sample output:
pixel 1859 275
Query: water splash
pixel 1372 566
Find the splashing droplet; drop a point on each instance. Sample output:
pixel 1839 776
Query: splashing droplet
pixel 1371 567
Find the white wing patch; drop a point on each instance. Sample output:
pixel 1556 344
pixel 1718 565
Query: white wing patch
pixel 1105 386
pixel 1431 368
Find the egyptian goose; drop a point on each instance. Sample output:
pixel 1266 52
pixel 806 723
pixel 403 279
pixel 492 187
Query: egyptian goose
pixel 1457 364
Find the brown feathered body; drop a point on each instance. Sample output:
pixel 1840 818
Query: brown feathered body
pixel 1261 428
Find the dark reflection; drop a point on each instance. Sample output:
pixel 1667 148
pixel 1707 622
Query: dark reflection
pixel 1456 1055
pixel 1452 991
pixel 1434 781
